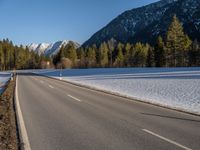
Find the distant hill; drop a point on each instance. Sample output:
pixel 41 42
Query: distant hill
pixel 50 49
pixel 144 24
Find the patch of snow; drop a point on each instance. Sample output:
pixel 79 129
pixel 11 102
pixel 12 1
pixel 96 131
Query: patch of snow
pixel 4 78
pixel 32 46
pixel 42 47
pixel 177 88
pixel 49 49
pixel 54 48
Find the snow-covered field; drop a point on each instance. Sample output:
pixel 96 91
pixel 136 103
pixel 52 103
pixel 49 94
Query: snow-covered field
pixel 4 77
pixel 177 88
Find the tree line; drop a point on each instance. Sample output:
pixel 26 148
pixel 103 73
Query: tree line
pixel 18 57
pixel 176 49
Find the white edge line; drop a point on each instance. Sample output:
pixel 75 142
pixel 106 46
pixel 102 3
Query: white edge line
pixel 74 98
pixel 20 120
pixel 165 139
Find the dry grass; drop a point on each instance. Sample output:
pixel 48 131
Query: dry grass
pixel 8 132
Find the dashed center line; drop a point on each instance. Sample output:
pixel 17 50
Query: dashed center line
pixel 166 139
pixel 33 78
pixel 74 98
pixel 50 86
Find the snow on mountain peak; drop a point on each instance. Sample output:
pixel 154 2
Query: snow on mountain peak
pixel 42 47
pixel 32 46
pixel 50 49
pixel 54 48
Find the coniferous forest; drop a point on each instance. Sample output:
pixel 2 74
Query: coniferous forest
pixel 17 57
pixel 176 49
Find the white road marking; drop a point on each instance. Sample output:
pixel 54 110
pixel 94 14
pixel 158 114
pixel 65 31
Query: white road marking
pixel 51 86
pixel 74 98
pixel 33 78
pixel 168 140
pixel 20 120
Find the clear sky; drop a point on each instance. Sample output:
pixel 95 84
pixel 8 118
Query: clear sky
pixel 36 21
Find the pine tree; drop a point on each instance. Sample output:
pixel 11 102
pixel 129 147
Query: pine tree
pixel 21 58
pixel 177 43
pixel 103 54
pixel 150 58
pixel 127 55
pixel 187 43
pixel 194 54
pixel 57 58
pixel 82 58
pixel 111 46
pixel 1 57
pixel 97 54
pixel 72 55
pixel 136 55
pixel 140 55
pixel 69 51
pixel 61 53
pixel 5 51
pixel 119 61
pixel 159 53
pixel 91 57
pixel 198 56
pixel 11 56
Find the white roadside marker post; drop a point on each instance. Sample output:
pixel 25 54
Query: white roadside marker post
pixel 11 77
pixel 61 73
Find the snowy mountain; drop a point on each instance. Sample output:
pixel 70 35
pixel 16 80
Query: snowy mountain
pixel 146 23
pixel 54 48
pixel 32 46
pixel 42 48
pixel 50 49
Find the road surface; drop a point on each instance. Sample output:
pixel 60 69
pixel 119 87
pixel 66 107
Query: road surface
pixel 61 116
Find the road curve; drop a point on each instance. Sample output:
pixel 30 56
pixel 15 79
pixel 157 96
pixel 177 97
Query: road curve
pixel 62 116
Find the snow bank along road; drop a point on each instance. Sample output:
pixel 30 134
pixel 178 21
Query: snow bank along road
pixel 58 115
pixel 4 77
pixel 177 88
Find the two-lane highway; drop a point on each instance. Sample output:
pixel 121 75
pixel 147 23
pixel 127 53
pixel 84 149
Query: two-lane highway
pixel 62 116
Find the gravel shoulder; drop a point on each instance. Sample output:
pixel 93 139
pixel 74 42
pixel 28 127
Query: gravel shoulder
pixel 8 128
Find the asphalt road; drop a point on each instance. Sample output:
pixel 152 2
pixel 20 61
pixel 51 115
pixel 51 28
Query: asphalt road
pixel 62 116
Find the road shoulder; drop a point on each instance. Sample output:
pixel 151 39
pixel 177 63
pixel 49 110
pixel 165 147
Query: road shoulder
pixel 8 127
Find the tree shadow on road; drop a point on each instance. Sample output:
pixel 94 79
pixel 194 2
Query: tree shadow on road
pixel 170 117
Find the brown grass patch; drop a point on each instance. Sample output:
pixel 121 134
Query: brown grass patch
pixel 8 130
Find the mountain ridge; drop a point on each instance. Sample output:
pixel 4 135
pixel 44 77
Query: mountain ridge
pixel 50 49
pixel 146 23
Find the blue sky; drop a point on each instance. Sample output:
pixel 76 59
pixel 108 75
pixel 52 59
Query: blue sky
pixel 36 21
